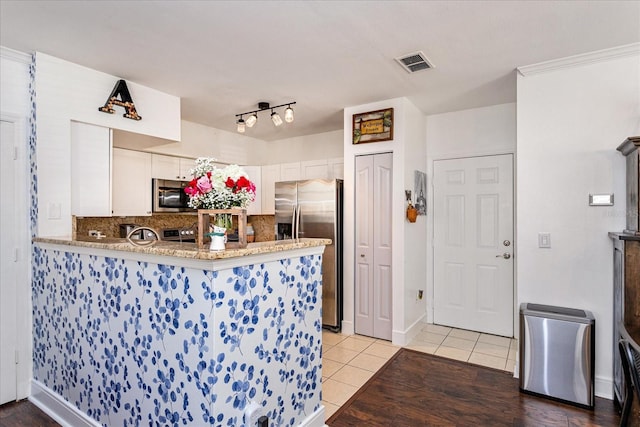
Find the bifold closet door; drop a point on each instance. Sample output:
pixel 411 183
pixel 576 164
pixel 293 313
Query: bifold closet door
pixel 373 281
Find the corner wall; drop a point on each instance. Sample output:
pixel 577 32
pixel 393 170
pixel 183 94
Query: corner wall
pixel 407 143
pixel 569 122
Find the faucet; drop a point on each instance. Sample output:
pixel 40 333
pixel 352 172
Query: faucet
pixel 143 242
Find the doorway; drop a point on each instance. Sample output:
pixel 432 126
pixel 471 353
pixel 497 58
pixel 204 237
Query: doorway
pixel 8 258
pixel 373 278
pixel 473 244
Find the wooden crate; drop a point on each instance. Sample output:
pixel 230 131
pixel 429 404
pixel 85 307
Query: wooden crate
pixel 204 221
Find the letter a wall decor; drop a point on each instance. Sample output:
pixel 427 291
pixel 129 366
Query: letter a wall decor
pixel 121 90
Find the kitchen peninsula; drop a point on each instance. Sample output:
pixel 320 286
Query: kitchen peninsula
pixel 169 335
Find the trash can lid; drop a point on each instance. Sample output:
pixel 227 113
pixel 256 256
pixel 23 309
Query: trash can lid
pixel 542 310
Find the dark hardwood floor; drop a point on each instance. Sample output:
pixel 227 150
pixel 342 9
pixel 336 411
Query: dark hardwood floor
pixel 415 389
pixel 24 414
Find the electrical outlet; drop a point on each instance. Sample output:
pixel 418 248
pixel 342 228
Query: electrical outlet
pixel 252 413
pixel 94 233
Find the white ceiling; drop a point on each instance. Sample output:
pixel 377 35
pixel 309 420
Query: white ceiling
pixel 223 57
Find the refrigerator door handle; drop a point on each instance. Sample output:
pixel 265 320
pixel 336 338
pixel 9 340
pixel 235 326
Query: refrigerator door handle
pixel 297 232
pixel 293 222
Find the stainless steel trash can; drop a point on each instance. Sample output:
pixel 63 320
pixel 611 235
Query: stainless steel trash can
pixel 557 350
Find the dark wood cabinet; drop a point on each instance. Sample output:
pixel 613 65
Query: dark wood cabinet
pixel 630 150
pixel 626 267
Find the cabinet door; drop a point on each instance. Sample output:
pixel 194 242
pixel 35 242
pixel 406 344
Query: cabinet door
pixel 90 170
pixel 131 183
pixel 185 168
pixel 314 169
pixel 165 167
pixel 336 168
pixel 270 175
pixel 255 175
pixel 290 171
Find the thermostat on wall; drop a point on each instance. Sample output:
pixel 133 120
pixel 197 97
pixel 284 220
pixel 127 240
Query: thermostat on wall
pixel 600 199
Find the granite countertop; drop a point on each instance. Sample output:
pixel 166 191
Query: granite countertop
pixel 184 250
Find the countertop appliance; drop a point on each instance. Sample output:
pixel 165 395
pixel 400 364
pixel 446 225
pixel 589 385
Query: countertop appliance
pixel 184 234
pixel 125 229
pixel 557 353
pixel 169 196
pixel 313 209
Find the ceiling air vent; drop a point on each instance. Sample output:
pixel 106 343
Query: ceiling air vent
pixel 413 62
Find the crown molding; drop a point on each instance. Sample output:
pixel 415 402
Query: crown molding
pixel 15 55
pixel 581 59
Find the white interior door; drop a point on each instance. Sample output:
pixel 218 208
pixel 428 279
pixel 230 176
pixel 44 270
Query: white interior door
pixel 373 281
pixel 8 338
pixel 473 244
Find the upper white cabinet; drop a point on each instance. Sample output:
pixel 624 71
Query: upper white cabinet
pixel 131 183
pixel 314 169
pixel 255 175
pixel 270 175
pixel 336 168
pixel 290 171
pixel 170 167
pixel 90 170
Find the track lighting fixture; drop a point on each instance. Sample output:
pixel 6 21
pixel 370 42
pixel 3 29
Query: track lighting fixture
pixel 263 106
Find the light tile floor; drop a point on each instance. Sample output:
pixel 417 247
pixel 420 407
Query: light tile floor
pixel 348 361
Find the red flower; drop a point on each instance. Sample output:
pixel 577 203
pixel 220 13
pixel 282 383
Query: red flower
pixel 230 183
pixel 243 182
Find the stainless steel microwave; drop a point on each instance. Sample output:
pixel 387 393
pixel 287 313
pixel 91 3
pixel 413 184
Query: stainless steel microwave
pixel 169 196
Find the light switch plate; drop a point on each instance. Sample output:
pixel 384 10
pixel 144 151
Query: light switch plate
pixel 544 240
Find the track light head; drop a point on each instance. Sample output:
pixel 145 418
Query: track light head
pixel 252 120
pixel 288 114
pixel 275 118
pixel 241 125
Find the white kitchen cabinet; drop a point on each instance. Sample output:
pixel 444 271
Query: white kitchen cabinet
pixel 336 168
pixel 171 167
pixel 290 171
pixel 270 175
pixel 90 170
pixel 255 175
pixel 131 183
pixel 312 169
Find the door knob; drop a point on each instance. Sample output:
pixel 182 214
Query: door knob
pixel 506 243
pixel 505 255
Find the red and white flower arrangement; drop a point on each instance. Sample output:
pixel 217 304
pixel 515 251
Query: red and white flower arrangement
pixel 219 188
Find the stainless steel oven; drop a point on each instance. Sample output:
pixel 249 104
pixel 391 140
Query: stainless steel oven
pixel 169 196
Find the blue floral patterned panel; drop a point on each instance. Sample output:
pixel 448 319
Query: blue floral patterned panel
pixel 139 344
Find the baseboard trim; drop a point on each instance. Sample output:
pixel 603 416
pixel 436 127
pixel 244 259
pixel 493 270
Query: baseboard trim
pixel 402 338
pixel 54 405
pixel 604 387
pixel 347 328
pixel 315 420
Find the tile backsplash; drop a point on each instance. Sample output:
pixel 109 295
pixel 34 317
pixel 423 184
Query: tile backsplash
pixel 263 225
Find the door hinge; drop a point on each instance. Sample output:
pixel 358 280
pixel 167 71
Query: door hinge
pixel 15 153
pixel 17 357
pixel 16 255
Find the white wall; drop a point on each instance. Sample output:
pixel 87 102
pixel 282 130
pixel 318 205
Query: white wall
pixel 65 92
pixel 325 145
pixel 198 141
pixel 569 122
pixel 415 246
pixel 15 107
pixel 466 133
pixel 407 138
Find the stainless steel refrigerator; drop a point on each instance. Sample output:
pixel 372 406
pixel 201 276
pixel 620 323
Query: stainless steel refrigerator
pixel 313 209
